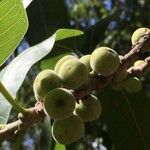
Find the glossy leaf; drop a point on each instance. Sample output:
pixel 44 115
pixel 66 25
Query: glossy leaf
pixel 16 71
pixel 13 26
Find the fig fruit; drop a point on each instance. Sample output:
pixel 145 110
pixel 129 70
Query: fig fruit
pixel 104 61
pixel 59 103
pixel 86 60
pixel 73 73
pixel 62 60
pixel 133 85
pixel 45 81
pixel 68 130
pixel 139 62
pixel 88 109
pixel 138 34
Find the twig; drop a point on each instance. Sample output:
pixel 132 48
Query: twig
pixel 141 70
pixel 33 115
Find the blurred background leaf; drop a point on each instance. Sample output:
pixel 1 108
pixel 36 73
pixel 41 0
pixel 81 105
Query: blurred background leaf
pixel 126 118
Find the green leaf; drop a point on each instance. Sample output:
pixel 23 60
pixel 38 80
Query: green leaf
pixel 13 26
pixel 16 71
pixel 127 119
pixel 59 147
pixel 62 34
pixel 67 42
pixel 45 138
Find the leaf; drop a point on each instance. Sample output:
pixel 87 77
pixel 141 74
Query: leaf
pixel 67 42
pixel 59 147
pixel 62 34
pixel 16 71
pixel 26 3
pixel 45 139
pixel 126 116
pixel 45 17
pixel 13 26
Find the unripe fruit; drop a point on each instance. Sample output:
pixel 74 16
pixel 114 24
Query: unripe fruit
pixel 139 62
pixel 62 60
pixel 88 109
pixel 73 73
pixel 59 103
pixel 86 60
pixel 133 85
pixel 104 61
pixel 68 130
pixel 138 34
pixel 45 81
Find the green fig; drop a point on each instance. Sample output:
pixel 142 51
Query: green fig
pixel 62 60
pixel 104 61
pixel 133 85
pixel 59 103
pixel 138 34
pixel 68 130
pixel 88 109
pixel 73 73
pixel 138 63
pixel 45 81
pixel 86 60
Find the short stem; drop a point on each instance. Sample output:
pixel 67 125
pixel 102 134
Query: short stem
pixel 10 99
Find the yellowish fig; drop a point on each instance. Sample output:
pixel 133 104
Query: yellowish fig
pixel 104 61
pixel 138 34
pixel 45 81
pixel 73 73
pixel 133 85
pixel 59 103
pixel 86 60
pixel 68 130
pixel 88 109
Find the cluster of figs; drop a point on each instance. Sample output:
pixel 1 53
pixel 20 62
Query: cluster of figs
pixel 54 88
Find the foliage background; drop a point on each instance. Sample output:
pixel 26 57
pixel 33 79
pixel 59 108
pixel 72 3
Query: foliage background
pixel 105 22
